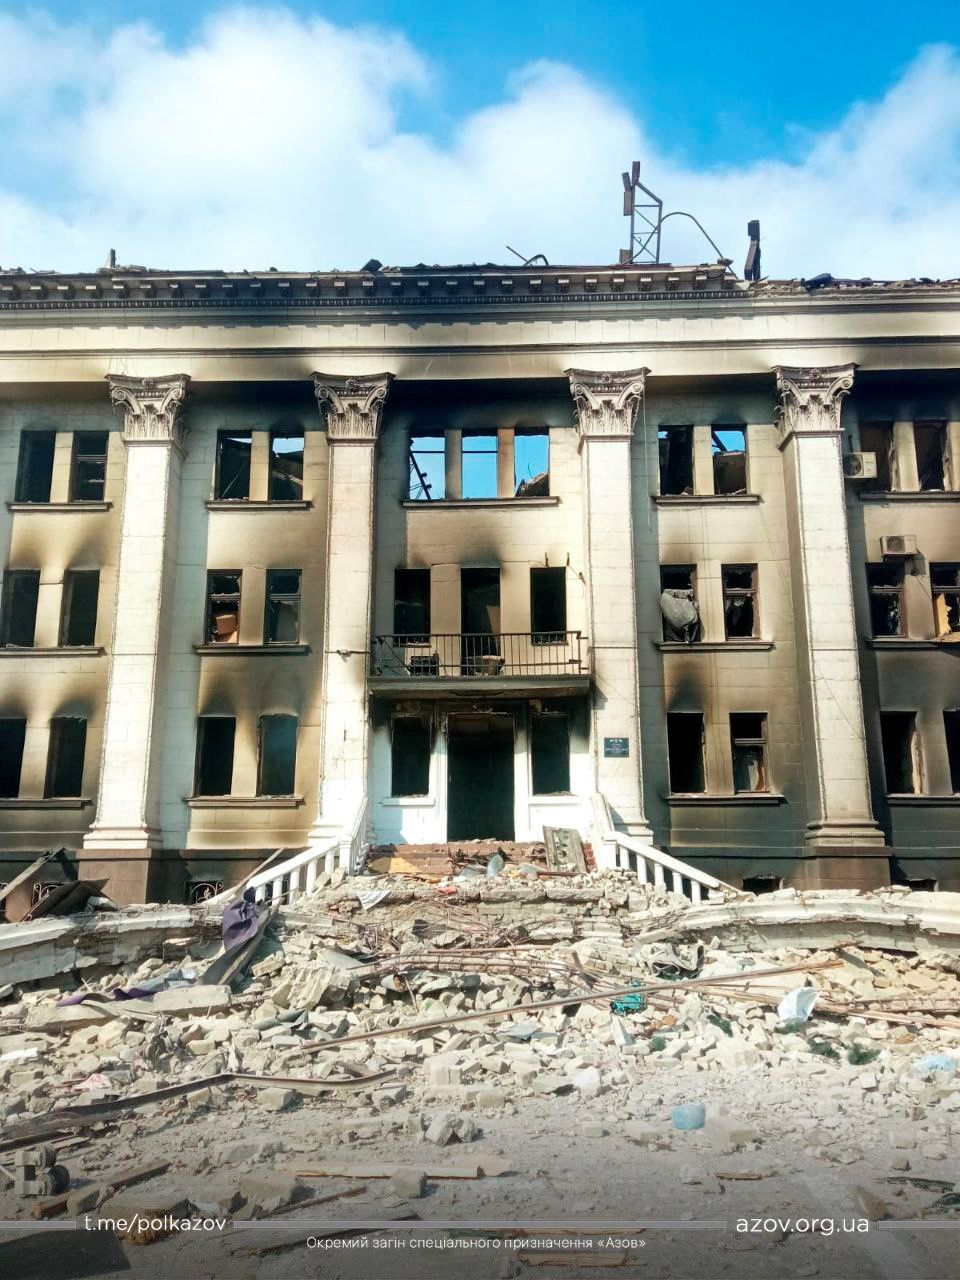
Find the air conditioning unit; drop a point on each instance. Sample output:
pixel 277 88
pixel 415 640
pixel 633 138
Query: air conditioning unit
pixel 860 466
pixel 897 546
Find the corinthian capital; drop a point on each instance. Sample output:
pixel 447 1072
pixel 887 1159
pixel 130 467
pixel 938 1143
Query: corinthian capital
pixel 352 407
pixel 810 399
pixel 606 403
pixel 151 407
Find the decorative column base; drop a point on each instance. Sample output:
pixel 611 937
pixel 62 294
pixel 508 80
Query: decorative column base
pixel 854 835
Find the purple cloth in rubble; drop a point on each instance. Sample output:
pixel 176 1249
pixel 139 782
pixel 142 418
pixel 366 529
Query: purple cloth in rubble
pixel 240 921
pixel 118 993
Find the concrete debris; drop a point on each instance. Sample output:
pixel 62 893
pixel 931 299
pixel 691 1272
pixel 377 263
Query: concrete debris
pixel 432 1019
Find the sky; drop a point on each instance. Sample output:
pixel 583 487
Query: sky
pixel 311 136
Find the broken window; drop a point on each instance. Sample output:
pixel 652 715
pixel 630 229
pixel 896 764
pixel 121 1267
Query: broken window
pixel 685 752
pixel 877 438
pixel 480 622
pixel 282 614
pixel 479 461
pixel 676 460
pixel 13 732
pixel 748 741
pixel 729 446
pixel 678 603
pixel 531 463
pixel 885 586
pixel 18 609
pixel 548 606
pixel 223 607
pixel 427 466
pixel 945 588
pixel 929 440
pixel 88 471
pixel 951 725
pixel 409 756
pixel 740 612
pixel 233 464
pixel 550 755
pixel 214 765
pixel 68 740
pixel 277 756
pixel 286 466
pixel 901 760
pixel 411 605
pixel 78 621
pixel 761 884
pixel 35 466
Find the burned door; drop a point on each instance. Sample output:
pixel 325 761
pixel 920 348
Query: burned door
pixel 480 777
pixel 480 622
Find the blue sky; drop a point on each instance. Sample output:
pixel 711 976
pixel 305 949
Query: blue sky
pixel 323 134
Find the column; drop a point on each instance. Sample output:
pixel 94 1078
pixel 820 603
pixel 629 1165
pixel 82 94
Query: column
pixel 352 409
pixel 834 741
pixel 127 825
pixel 606 406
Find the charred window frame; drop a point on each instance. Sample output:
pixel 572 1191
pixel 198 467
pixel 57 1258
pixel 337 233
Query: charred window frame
pixel 885 587
pixel 685 743
pixel 902 765
pixel 213 770
pixel 550 754
pixel 729 447
pixel 286 466
pixel 277 755
pixel 930 442
pixel 234 450
pixel 741 611
pixel 945 589
pixel 531 462
pixel 427 466
pixel 748 744
pixel 88 466
pixel 678 596
pixel 13 733
pixel 18 608
pixel 78 618
pixel 411 605
pixel 68 741
pixel 222 622
pixel 410 747
pixel 877 438
pixel 951 728
pixel 35 466
pixel 548 606
pixel 479 456
pixel 675 448
pixel 281 623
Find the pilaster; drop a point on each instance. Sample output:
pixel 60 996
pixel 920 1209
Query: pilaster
pixel 606 407
pixel 835 756
pixel 352 410
pixel 127 821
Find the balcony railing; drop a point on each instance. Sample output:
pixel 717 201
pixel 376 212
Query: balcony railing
pixel 473 654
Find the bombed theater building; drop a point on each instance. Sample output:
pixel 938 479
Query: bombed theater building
pixel 405 557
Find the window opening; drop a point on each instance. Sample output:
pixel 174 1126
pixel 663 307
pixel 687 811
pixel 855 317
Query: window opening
pixel 479 460
pixel 748 733
pixel 277 756
pixel 740 614
pixel 88 474
pixel 729 446
pixel 678 603
pixel 951 726
pixel 901 761
pixel 68 740
pixel 233 464
pixel 286 466
pixel 411 605
pixel 548 606
pixel 35 466
pixel 885 586
pixel 427 466
pixel 531 463
pixel 214 764
pixel 676 460
pixel 945 587
pixel 13 733
pixel 223 606
pixel 929 439
pixel 410 744
pixel 877 438
pixel 282 621
pixel 550 755
pixel 18 608
pixel 685 752
pixel 81 591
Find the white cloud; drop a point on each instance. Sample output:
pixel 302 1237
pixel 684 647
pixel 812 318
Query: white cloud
pixel 273 139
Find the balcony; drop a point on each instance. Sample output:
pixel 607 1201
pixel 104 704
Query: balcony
pixel 553 663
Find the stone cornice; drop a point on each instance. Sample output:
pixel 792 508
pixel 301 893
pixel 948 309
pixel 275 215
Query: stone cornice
pixel 810 399
pixel 606 403
pixel 152 407
pixel 352 407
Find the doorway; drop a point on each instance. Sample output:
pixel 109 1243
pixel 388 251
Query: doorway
pixel 480 777
pixel 480 622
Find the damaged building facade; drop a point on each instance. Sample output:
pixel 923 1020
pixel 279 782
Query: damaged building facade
pixel 429 554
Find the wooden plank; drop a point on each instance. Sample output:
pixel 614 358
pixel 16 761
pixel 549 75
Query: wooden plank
pixel 482 1167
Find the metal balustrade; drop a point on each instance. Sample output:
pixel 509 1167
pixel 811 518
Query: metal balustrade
pixel 473 654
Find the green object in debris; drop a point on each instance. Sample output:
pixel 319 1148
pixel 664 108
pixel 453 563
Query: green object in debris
pixel 718 1020
pixel 629 1004
pixel 857 1056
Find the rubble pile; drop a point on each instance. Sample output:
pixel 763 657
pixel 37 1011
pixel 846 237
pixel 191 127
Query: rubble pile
pixel 397 1012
